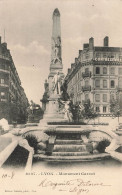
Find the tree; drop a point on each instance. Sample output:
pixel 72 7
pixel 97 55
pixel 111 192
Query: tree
pixel 13 112
pixel 64 94
pixel 45 97
pixel 82 112
pixel 88 111
pixel 4 110
pixel 76 111
pixel 114 108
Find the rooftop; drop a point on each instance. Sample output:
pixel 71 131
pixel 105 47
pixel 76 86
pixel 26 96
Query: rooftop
pixel 108 49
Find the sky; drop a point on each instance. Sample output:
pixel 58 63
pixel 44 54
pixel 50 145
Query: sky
pixel 28 30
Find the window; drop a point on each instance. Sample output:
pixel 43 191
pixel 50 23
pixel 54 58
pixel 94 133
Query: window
pixel 78 75
pixel 120 58
pixel 79 86
pixel 2 66
pixel 97 109
pixel 87 56
pixel 73 80
pixel 97 97
pixel 120 71
pixel 86 97
pixel 104 97
pixel 2 95
pixel 76 89
pixel 112 83
pixel 112 56
pixel 104 83
pixel 120 82
pixel 97 83
pixel 86 83
pixel 97 70
pixel 2 81
pixel 104 70
pixel 104 55
pixel 112 71
pixel 97 55
pixel 6 67
pixel 104 109
pixel 112 97
pixel 86 70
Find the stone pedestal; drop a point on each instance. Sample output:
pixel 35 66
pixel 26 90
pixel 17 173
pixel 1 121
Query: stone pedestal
pixel 53 112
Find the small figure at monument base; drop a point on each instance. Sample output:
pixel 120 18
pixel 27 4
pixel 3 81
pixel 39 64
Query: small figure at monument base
pixel 67 113
pixel 35 113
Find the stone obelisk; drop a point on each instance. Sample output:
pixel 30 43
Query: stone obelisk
pixel 52 111
pixel 56 49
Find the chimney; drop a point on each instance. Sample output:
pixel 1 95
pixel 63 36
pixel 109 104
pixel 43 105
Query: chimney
pixel 5 45
pixel 85 45
pixel 76 60
pixel 80 51
pixel 106 42
pixel 69 70
pixel 72 66
pixel 91 43
pixel 46 85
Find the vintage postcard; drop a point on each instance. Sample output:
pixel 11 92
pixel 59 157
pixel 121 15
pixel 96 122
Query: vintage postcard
pixel 60 97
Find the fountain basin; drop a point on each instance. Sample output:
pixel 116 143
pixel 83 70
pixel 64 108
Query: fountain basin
pixel 65 142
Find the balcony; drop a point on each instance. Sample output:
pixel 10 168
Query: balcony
pixel 86 74
pixel 86 88
pixel 3 70
pixel 4 57
pixel 119 88
pixel 3 100
pixel 4 85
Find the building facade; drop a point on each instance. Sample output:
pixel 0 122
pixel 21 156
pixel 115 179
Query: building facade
pixel 96 75
pixel 13 100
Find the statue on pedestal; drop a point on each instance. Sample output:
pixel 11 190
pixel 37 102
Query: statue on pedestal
pixel 30 109
pixel 57 84
pixel 35 112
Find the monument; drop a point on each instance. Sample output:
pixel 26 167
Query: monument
pixel 56 76
pixel 66 142
pixel 56 65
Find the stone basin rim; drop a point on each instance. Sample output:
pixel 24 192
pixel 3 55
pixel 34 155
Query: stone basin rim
pixel 56 129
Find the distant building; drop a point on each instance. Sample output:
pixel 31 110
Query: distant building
pixel 13 100
pixel 96 75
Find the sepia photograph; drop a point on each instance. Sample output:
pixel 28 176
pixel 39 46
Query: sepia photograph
pixel 60 97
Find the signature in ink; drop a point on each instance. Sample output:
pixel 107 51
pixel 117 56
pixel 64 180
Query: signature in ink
pixel 76 185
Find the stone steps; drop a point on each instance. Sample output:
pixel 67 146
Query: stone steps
pixel 69 148
pixel 62 142
pixel 90 157
pixel 70 153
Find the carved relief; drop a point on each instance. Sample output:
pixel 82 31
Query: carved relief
pixel 56 50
